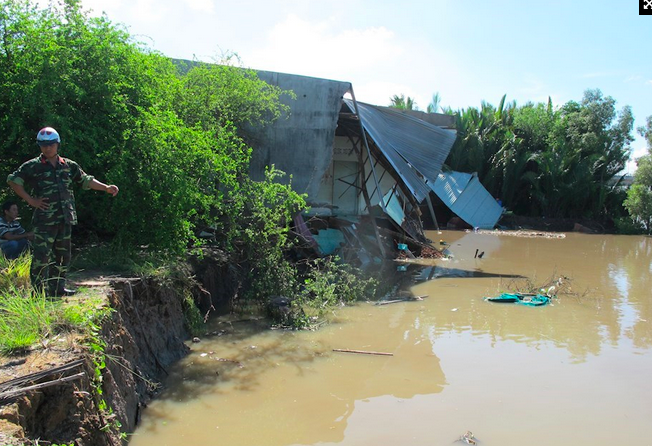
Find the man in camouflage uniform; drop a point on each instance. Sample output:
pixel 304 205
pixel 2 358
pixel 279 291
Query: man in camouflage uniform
pixel 51 177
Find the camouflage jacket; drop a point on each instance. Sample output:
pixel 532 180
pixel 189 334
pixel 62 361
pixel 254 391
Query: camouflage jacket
pixel 53 183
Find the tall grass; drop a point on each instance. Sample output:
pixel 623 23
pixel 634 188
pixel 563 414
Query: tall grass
pixel 25 318
pixel 23 314
pixel 28 317
pixel 14 273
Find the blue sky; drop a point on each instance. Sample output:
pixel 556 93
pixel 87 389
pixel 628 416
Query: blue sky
pixel 468 51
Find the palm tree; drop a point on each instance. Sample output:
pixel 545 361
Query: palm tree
pixel 403 103
pixel 435 104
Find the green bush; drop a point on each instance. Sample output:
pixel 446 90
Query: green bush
pixel 169 134
pixel 316 288
pixel 629 226
pixel 128 116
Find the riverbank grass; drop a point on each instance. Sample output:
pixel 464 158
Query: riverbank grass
pixel 29 318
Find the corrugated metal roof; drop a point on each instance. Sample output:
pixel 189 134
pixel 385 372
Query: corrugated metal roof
pixel 301 145
pixel 415 148
pixel 466 196
pixel 438 119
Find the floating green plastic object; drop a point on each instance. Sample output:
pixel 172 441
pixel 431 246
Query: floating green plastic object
pixel 529 299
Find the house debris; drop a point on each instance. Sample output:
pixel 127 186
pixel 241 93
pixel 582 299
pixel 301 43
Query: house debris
pixel 365 169
pixel 463 194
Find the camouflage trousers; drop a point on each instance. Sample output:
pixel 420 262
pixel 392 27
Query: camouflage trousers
pixel 51 250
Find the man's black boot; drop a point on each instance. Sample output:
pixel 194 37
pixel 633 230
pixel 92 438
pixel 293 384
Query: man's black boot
pixel 61 292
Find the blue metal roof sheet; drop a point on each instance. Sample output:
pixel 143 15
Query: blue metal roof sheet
pixel 466 196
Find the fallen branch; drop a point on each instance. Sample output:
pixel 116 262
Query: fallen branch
pixel 33 377
pixel 20 391
pixel 361 352
pixel 402 299
pixel 231 361
pixel 387 302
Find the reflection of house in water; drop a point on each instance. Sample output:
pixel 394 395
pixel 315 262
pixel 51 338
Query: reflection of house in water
pixel 364 168
pixel 298 386
pixel 350 383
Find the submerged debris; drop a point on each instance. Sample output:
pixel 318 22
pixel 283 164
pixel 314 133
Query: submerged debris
pixel 523 233
pixel 468 438
pixel 427 252
pixel 362 352
pixel 525 292
pixel 401 299
pixel 528 299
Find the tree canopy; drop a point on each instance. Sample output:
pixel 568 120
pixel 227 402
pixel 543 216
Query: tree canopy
pixel 639 196
pixel 547 161
pixel 169 138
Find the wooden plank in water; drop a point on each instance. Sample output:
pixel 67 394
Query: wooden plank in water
pixel 361 352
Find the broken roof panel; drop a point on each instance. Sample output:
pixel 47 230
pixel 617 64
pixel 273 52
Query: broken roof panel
pixel 414 147
pixel 466 196
pixel 301 144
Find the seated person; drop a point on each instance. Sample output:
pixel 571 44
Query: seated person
pixel 13 237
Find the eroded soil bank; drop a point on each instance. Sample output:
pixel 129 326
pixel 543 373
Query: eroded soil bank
pixel 565 374
pixel 73 399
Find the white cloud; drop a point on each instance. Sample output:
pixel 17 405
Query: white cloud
pixel 141 12
pixel 377 61
pixel 380 92
pixel 633 78
pixel 148 11
pixel 320 49
pixel 206 6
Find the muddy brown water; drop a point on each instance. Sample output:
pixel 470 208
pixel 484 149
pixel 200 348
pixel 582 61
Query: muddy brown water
pixel 577 372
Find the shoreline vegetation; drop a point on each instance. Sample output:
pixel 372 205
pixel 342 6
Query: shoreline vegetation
pixel 29 318
pixel 175 138
pixel 38 335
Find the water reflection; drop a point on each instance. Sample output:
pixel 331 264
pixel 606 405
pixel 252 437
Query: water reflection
pixel 459 362
pixel 609 301
pixel 630 273
pixel 283 377
pixel 425 273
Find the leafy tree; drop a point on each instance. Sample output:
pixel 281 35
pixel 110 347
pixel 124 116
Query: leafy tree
pixel 169 140
pixel 544 161
pixel 171 136
pixel 82 76
pixel 212 96
pixel 596 141
pixel 639 196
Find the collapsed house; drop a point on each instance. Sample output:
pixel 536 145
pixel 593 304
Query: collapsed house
pixel 365 169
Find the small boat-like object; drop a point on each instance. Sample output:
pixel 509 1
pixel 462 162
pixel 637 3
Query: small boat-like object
pixel 529 299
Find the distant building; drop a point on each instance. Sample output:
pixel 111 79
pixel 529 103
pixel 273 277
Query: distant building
pixel 622 181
